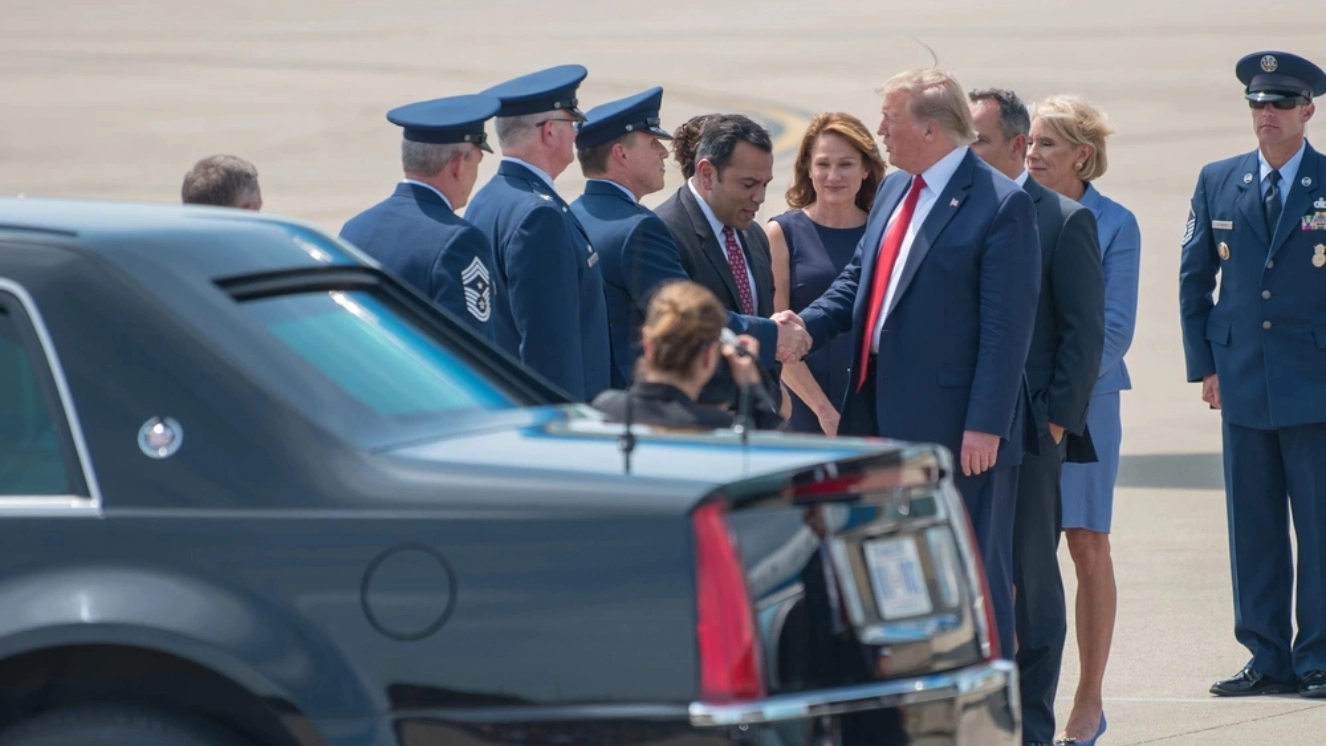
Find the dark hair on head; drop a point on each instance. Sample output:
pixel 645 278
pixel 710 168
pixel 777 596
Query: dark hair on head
pixel 685 139
pixel 683 318
pixel 1014 119
pixel 222 180
pixel 851 129
pixel 722 134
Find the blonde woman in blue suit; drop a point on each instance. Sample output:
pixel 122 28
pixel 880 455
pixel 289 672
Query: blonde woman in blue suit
pixel 1067 153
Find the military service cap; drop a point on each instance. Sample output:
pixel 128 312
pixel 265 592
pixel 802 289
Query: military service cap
pixel 1271 76
pixel 553 89
pixel 442 121
pixel 638 113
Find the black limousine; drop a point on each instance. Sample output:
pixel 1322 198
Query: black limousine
pixel 254 490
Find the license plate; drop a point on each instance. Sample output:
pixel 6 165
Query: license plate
pixel 897 577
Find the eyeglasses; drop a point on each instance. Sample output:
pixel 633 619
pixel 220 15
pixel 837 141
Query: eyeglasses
pixel 1284 104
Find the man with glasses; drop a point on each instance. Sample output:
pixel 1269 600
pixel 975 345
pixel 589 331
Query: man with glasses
pixel 1259 220
pixel 549 310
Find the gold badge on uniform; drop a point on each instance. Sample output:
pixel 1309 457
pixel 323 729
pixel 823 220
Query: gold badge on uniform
pixel 1224 251
pixel 1319 256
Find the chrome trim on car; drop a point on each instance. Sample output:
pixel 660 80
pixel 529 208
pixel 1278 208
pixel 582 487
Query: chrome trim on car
pixel 53 504
pixel 984 679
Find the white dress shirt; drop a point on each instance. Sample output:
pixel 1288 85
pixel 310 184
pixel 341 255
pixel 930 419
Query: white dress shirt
pixel 625 191
pixel 1287 173
pixel 717 228
pixel 434 189
pixel 936 179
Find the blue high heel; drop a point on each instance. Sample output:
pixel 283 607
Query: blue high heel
pixel 1074 742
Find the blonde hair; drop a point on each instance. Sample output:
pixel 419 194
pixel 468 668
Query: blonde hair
pixel 854 132
pixel 935 96
pixel 1079 123
pixel 683 318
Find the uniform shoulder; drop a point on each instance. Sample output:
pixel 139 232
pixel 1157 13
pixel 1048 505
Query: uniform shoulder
pixel 1225 166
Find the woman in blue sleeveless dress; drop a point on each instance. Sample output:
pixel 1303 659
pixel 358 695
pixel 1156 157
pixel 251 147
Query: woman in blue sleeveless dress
pixel 1066 152
pixel 837 170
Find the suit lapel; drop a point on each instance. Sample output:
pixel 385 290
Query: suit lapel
pixel 757 258
pixel 709 244
pixel 947 205
pixel 886 202
pixel 1300 198
pixel 1249 198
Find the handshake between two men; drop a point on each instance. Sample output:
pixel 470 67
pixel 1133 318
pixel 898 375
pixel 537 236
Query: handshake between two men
pixel 793 340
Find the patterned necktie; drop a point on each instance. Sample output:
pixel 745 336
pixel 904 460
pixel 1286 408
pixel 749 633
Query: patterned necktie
pixel 888 256
pixel 1271 202
pixel 737 261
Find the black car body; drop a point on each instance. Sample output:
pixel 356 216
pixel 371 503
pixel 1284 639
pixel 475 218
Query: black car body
pixel 254 490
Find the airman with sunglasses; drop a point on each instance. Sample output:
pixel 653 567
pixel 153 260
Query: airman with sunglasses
pixel 1259 221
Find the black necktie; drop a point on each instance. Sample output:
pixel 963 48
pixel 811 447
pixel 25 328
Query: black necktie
pixel 1271 202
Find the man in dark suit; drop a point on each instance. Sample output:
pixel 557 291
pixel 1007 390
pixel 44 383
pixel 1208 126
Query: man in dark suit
pixel 1062 366
pixel 941 300
pixel 712 216
pixel 415 232
pixel 1259 221
pixel 549 310
pixel 622 158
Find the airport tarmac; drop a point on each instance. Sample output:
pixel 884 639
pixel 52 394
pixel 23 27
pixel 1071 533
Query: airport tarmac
pixel 116 99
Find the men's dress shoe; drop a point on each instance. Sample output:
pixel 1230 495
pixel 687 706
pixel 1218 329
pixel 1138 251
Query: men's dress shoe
pixel 1313 685
pixel 1089 742
pixel 1247 683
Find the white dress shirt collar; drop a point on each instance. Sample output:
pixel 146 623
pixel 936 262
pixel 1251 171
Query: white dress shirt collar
pixel 434 189
pixel 714 224
pixel 937 176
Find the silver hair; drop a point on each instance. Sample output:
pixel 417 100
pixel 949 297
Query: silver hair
pixel 513 130
pixel 428 159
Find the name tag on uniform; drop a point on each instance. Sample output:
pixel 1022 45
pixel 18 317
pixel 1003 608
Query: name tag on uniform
pixel 593 257
pixel 1222 225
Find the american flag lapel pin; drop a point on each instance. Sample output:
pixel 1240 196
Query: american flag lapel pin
pixel 953 203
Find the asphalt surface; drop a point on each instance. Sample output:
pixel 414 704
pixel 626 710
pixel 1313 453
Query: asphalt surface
pixel 114 99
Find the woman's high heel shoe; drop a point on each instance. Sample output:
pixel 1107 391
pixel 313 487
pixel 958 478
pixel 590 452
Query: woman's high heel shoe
pixel 1092 742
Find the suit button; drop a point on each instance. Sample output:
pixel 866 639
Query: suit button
pixel 1266 294
pixel 1266 325
pixel 1270 264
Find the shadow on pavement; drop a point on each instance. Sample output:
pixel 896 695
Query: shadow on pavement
pixel 1183 471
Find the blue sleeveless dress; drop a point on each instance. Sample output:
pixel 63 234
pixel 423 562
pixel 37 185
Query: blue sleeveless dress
pixel 817 255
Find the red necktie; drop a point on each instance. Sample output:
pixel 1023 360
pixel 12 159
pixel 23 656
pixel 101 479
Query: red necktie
pixel 888 256
pixel 737 261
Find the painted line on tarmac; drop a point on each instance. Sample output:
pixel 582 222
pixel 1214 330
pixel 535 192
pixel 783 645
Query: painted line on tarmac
pixel 1286 699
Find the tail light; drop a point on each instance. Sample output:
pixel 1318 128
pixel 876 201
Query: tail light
pixel 990 633
pixel 730 668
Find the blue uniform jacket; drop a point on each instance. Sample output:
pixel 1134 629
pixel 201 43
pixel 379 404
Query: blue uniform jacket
pixel 414 235
pixel 638 254
pixel 548 304
pixel 1266 337
pixel 954 347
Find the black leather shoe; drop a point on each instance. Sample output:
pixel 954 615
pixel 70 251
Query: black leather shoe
pixel 1248 683
pixel 1313 685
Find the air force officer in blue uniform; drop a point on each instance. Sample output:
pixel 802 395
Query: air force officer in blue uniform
pixel 1259 220
pixel 623 160
pixel 415 232
pixel 549 309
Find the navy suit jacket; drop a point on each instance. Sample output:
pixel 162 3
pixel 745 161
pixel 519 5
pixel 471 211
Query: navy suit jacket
pixel 548 306
pixel 1266 338
pixel 639 254
pixel 953 348
pixel 415 235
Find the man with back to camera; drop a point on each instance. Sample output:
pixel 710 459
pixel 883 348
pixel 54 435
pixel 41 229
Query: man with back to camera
pixel 222 181
pixel 415 233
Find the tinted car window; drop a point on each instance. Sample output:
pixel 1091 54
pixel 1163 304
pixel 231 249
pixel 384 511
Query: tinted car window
pixel 31 462
pixel 369 352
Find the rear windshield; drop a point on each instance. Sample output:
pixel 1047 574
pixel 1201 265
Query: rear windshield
pixel 364 349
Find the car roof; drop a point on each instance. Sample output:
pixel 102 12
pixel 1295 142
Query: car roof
pixel 207 242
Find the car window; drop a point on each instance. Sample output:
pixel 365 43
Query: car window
pixel 31 456
pixel 372 354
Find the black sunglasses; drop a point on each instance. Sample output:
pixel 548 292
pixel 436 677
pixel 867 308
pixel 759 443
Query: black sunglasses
pixel 1283 104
